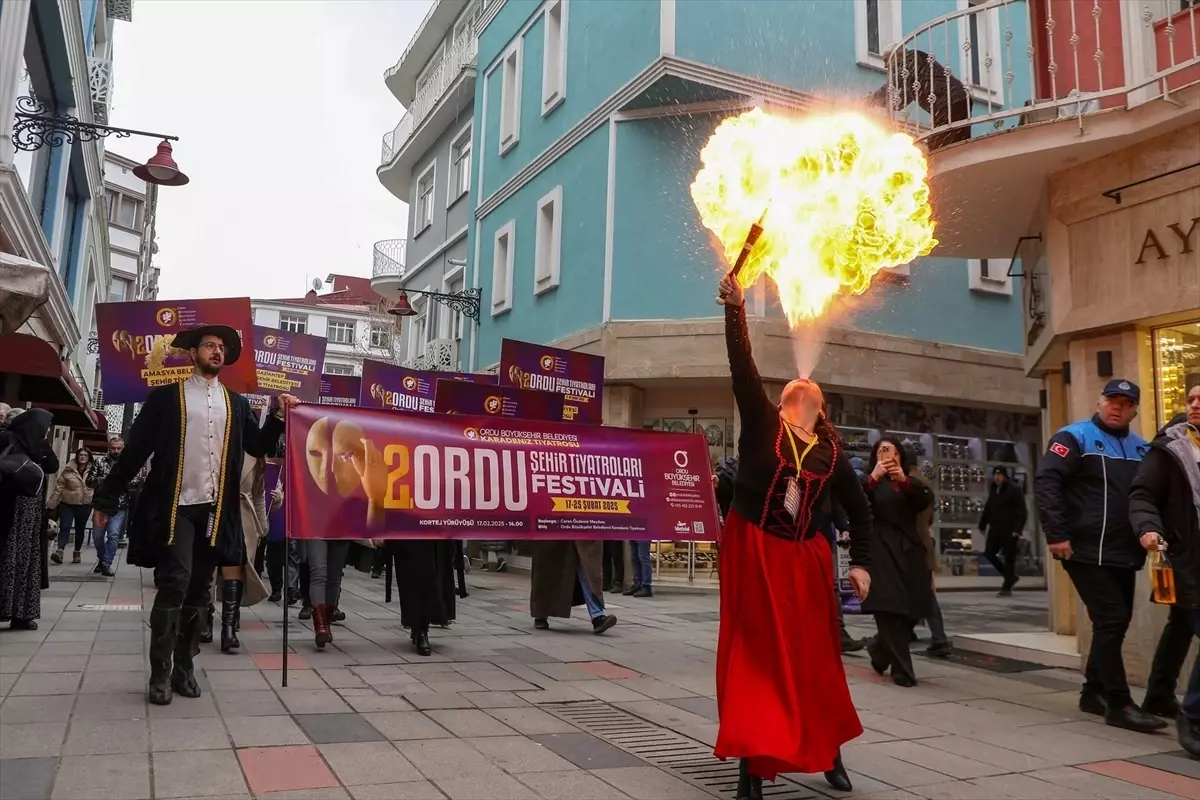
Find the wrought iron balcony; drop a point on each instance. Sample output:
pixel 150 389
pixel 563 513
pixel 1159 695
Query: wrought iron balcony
pixel 460 57
pixel 1020 62
pixel 440 355
pixel 100 80
pixel 389 258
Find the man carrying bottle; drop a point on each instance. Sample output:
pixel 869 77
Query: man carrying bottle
pixel 1082 494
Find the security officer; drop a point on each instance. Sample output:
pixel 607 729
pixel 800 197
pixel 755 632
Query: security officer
pixel 1082 494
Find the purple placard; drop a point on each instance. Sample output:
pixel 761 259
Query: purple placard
pixel 275 516
pixel 505 402
pixel 578 377
pixel 339 390
pixel 135 344
pixel 459 477
pixel 404 389
pixel 287 363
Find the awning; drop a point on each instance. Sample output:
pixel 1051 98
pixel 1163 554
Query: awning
pixel 44 381
pixel 24 287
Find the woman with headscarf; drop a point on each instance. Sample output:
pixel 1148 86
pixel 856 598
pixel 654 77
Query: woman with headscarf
pixel 23 520
pixel 781 688
pixel 901 584
pixel 72 499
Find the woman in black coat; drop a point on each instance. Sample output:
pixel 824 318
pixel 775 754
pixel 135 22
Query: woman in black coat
pixel 901 583
pixel 1004 517
pixel 23 569
pixel 1164 506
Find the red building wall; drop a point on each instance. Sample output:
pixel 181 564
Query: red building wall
pixel 1110 42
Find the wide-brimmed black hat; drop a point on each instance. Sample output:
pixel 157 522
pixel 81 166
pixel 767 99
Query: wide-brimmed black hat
pixel 186 340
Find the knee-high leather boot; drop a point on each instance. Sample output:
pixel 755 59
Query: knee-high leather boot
pixel 164 630
pixel 187 646
pixel 206 625
pixel 231 598
pixel 749 786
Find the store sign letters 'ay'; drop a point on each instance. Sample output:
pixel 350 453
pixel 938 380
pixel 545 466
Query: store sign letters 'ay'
pixel 1152 243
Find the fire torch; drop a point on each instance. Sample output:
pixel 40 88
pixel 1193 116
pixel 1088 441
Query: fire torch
pixel 756 230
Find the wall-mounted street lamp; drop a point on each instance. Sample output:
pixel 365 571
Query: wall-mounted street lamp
pixel 34 129
pixel 465 302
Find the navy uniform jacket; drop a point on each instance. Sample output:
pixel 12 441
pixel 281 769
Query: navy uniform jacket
pixel 1082 492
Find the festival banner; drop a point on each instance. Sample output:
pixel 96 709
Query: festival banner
pixel 506 402
pixel 275 517
pixel 579 377
pixel 287 363
pixel 359 473
pixel 339 390
pixel 135 344
pixel 403 389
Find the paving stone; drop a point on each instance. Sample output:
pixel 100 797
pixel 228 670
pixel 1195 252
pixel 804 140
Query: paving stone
pixel 340 678
pixel 236 680
pixel 31 683
pixel 405 725
pixel 187 707
pixel 701 706
pixel 1099 786
pixel 650 783
pixel 432 701
pixel 10 664
pixel 222 662
pixel 110 682
pixel 118 648
pixel 264 731
pixel 124 705
pixel 120 636
pixel 517 754
pixel 586 751
pixel 368 700
pixel 531 721
pixel 56 636
pixel 250 704
pixel 38 708
pixel 444 759
pixel 27 777
pixel 494 700
pixel 61 649
pixel 111 777
pixel 1024 787
pixel 414 790
pixel 279 769
pixel 368 762
pixel 91 737
pixel 524 655
pixel 481 787
pixel 203 773
pixel 472 722
pixel 31 739
pixel 572 785
pixel 1179 763
pixel 338 728
pixel 44 663
pixel 313 701
pixel 188 734
pixel 109 663
pixel 329 793
pixel 951 764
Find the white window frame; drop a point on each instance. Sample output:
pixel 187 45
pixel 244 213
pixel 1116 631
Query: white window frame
pixel 423 219
pixel 338 369
pixel 997 281
pixel 452 323
pixel 386 332
pixel 891 31
pixel 510 96
pixel 987 25
pixel 502 285
pixel 461 140
pixel 301 318
pixel 419 331
pixel 433 63
pixel 554 86
pixel 469 17
pixel 340 324
pixel 547 253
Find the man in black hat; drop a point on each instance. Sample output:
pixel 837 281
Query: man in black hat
pixel 1081 490
pixel 188 521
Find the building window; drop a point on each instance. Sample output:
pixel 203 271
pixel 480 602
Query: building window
pixel 338 369
pixel 460 166
pixel 1176 367
pixel 990 275
pixel 503 251
pixel 425 78
pixel 123 211
pixel 381 336
pixel 118 290
pixel 291 323
pixel 554 57
pixel 877 24
pixel 979 34
pixel 418 335
pixel 339 332
pixel 424 202
pixel 510 98
pixel 548 248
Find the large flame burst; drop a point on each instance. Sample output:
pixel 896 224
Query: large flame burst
pixel 844 198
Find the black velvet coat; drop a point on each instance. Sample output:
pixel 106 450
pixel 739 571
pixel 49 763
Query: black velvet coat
pixel 901 582
pixel 158 432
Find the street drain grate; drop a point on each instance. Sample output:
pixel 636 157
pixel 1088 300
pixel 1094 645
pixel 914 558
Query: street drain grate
pixel 689 759
pixel 108 607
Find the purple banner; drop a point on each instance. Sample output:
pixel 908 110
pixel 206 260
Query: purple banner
pixel 578 377
pixel 135 344
pixel 275 517
pixel 339 390
pixel 359 473
pixel 287 363
pixel 506 402
pixel 404 389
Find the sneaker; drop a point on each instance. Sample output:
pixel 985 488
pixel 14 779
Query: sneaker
pixel 603 623
pixel 1092 703
pixel 57 556
pixel 75 557
pixel 96 571
pixel 305 611
pixel 643 591
pixel 106 571
pixel 633 588
pixel 1132 718
pixel 338 615
pixel 541 624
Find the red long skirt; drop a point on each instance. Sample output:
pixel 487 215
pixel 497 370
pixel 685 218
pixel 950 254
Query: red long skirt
pixel 781 688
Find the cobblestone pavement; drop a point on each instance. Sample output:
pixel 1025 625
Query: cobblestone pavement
pixel 502 712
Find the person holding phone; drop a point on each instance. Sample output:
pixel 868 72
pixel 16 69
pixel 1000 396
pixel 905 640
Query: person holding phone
pixel 901 583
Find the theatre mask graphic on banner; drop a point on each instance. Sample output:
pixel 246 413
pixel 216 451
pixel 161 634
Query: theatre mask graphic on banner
pixel 403 389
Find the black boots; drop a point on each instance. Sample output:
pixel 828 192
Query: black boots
pixel 1132 718
pixel 231 598
pixel 187 646
pixel 164 629
pixel 837 777
pixel 749 786
pixel 206 622
pixel 420 640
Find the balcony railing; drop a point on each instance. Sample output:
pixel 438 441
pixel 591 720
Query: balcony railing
pixel 460 57
pixel 1012 62
pixel 389 258
pixel 100 81
pixel 440 355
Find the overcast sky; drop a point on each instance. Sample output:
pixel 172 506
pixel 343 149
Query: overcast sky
pixel 280 107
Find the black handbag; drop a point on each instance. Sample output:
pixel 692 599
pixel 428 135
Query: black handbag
pixel 21 472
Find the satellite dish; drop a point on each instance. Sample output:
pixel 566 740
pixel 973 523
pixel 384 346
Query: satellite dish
pixel 317 284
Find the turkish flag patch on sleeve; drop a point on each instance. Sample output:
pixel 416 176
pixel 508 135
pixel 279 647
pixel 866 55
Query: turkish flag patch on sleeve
pixel 1060 450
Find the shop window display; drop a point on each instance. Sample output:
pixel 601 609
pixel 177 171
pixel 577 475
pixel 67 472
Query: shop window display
pixel 1176 367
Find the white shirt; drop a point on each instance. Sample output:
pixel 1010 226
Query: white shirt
pixel 204 440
